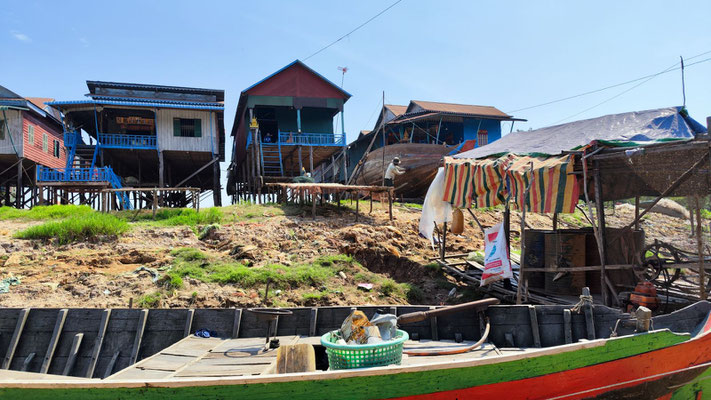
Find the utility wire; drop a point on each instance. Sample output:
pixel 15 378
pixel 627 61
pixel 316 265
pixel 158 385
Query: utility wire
pixel 355 29
pixel 673 67
pixel 612 86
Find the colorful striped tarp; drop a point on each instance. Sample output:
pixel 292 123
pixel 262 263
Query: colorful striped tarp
pixel 490 182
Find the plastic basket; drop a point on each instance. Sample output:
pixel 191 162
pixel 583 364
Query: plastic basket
pixel 363 355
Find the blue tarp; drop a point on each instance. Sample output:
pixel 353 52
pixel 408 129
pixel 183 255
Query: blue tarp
pixel 638 126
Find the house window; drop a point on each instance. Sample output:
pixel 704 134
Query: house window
pixel 482 138
pixel 183 127
pixel 44 142
pixel 56 148
pixel 31 134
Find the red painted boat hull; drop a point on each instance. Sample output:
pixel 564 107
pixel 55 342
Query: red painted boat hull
pixel 649 375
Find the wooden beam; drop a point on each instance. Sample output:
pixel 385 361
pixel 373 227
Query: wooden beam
pixel 58 325
pixel 19 326
pixel 567 328
pixel 28 360
pixel 700 248
pixel 313 321
pixel 110 367
pixel 142 317
pixel 99 342
pixel 214 160
pixel 236 323
pixel 534 325
pixel 74 350
pixel 189 322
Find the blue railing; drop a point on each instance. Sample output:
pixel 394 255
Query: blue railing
pixel 122 141
pixel 98 174
pixel 309 139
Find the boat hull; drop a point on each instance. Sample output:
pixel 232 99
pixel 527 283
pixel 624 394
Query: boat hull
pixel 639 366
pixel 420 161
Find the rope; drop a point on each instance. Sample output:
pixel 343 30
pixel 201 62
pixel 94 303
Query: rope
pixel 585 300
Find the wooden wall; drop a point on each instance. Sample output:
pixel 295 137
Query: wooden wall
pixel 14 118
pixel 209 142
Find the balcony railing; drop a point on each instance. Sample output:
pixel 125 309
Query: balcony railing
pixel 309 139
pixel 122 141
pixel 97 174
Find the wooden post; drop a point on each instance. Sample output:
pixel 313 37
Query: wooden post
pixel 311 160
pixel 216 192
pixel 76 343
pixel 700 245
pixel 99 342
pixel 161 170
pixel 19 327
pixel 155 202
pixel 636 214
pixel 301 163
pixel 555 221
pixel 18 192
pixel 390 204
pixel 58 325
pixel 142 317
pixel 602 243
pixel 443 242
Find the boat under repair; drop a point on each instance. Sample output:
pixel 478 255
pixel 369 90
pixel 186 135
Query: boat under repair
pixel 472 350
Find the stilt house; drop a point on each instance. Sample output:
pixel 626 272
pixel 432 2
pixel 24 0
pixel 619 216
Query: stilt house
pixel 285 124
pixel 141 136
pixel 30 138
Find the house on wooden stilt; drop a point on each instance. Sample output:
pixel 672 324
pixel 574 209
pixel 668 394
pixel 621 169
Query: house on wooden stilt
pixel 30 138
pixel 128 135
pixel 284 125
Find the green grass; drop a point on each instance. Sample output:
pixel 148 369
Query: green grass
pixel 149 300
pixel 415 294
pixel 45 212
pixel 76 228
pixel 192 263
pixel 174 216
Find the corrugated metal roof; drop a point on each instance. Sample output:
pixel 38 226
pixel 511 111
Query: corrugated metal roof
pixel 462 109
pixel 137 104
pixel 413 117
pixel 123 85
pixel 39 101
pixel 303 65
pixel 140 100
pixel 396 109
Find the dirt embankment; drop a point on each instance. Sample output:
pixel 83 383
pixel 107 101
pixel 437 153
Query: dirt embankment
pixel 391 256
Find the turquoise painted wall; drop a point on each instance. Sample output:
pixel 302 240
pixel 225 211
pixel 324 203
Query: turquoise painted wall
pixel 493 127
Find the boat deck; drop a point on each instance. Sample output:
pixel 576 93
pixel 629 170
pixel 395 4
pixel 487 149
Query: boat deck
pixel 195 357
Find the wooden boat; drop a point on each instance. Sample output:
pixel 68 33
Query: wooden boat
pixel 420 159
pixel 519 352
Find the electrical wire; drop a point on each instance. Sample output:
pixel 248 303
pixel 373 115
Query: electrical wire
pixel 354 29
pixel 615 85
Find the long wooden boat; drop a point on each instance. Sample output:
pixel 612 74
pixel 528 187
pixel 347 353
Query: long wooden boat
pixel 420 159
pixel 526 352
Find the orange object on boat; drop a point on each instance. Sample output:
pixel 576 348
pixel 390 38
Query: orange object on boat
pixel 645 294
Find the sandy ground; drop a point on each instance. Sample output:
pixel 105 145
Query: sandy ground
pixel 103 273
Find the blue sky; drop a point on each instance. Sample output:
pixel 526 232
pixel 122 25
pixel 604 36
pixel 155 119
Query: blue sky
pixel 508 54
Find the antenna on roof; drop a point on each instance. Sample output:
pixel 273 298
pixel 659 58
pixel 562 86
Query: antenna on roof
pixel 343 75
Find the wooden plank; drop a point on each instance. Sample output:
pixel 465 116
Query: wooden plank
pixel 567 329
pixel 110 367
pixel 19 326
pixel 295 358
pixel 237 323
pixel 76 343
pixel 189 322
pixel 99 342
pixel 61 317
pixel 142 317
pixel 534 326
pixel 28 360
pixel 166 362
pixel 313 321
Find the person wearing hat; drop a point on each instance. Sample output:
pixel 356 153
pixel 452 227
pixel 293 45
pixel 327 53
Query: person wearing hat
pixel 393 169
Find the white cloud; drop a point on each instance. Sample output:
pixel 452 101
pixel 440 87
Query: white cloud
pixel 84 41
pixel 20 36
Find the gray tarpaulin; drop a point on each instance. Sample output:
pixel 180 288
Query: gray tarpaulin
pixel 640 126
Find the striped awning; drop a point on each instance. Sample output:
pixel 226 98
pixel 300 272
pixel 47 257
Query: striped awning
pixel 490 182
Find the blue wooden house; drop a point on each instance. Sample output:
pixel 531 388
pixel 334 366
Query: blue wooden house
pixel 284 125
pixel 141 136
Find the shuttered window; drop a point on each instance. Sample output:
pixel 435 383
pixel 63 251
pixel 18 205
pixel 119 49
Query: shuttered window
pixel 56 148
pixel 185 127
pixel 44 142
pixel 482 138
pixel 31 134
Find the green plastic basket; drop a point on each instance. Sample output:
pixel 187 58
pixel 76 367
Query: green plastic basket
pixel 363 355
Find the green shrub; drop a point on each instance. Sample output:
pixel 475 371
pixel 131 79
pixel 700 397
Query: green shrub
pixel 388 287
pixel 76 228
pixel 149 300
pixel 414 293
